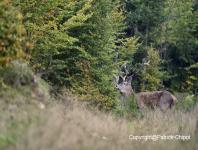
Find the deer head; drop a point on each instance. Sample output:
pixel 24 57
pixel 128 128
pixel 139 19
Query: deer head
pixel 124 85
pixel 163 100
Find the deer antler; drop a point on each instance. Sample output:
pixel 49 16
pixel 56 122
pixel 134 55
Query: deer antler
pixel 145 62
pixel 125 72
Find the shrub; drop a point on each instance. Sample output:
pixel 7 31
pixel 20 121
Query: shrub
pixel 12 33
pixel 129 110
pixel 151 74
pixel 17 74
pixel 188 103
pixel 17 78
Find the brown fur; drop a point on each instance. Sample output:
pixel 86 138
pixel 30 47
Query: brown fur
pixel 156 99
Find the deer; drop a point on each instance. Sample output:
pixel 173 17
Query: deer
pixel 163 100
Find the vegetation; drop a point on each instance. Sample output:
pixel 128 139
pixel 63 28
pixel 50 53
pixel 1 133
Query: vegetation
pixel 12 34
pixel 56 52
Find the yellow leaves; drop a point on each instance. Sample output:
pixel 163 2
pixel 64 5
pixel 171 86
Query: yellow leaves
pixel 2 46
pixel 19 16
pixel 52 25
pixel 117 18
pixel 6 2
pixel 20 29
pixel 20 54
pixel 5 60
pixel 130 45
pixel 151 74
pixel 191 80
pixel 154 57
pixel 13 34
pixel 29 45
pixel 80 17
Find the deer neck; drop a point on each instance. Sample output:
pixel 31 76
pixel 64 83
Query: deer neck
pixel 129 92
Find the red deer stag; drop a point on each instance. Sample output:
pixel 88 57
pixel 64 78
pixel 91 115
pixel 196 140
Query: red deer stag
pixel 163 100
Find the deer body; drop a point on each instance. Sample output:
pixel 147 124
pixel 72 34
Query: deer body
pixel 156 99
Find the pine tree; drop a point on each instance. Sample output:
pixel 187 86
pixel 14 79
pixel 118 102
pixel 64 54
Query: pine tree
pixel 98 37
pixel 75 44
pixel 151 73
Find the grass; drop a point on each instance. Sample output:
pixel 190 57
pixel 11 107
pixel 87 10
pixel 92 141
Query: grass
pixel 67 124
pixel 75 127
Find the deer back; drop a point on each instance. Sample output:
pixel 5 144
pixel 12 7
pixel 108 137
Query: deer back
pixel 157 99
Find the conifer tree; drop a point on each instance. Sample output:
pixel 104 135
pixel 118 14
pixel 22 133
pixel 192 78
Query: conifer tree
pixel 75 44
pixel 178 39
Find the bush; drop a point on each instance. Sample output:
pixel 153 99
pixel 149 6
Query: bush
pixel 188 103
pixel 17 74
pixel 151 74
pixel 12 33
pixel 18 79
pixel 130 108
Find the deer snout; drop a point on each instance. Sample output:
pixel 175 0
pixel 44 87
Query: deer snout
pixel 117 86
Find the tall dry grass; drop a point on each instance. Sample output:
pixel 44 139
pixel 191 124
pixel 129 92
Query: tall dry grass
pixel 31 120
pixel 74 127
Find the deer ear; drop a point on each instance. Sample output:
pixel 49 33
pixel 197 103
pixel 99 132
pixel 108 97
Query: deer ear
pixel 120 80
pixel 129 79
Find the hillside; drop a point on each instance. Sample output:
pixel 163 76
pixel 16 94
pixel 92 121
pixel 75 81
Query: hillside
pixel 98 74
pixel 29 122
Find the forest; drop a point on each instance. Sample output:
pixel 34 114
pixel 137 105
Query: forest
pixel 61 62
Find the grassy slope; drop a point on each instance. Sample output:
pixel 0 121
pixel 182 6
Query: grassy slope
pixel 73 126
pixel 76 128
pixel 66 124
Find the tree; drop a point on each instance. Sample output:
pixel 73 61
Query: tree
pixel 151 73
pixel 12 34
pixel 142 19
pixel 179 41
pixel 75 44
pixel 48 26
pixel 99 37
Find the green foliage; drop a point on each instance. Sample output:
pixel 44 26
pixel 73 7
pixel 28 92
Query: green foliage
pixel 75 44
pixel 98 38
pixel 54 48
pixel 82 45
pixel 188 103
pixel 18 77
pixel 17 74
pixel 12 33
pixel 128 49
pixel 171 27
pixel 142 17
pixel 130 109
pixel 179 44
pixel 151 74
